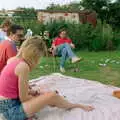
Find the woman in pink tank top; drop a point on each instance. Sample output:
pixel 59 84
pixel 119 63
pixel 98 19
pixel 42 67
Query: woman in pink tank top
pixel 17 100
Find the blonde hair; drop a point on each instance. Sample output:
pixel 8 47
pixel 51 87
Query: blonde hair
pixel 32 49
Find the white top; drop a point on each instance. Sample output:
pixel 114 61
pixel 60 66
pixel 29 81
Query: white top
pixel 3 35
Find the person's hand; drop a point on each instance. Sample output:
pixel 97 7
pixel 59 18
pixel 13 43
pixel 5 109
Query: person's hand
pixel 72 45
pixel 53 51
pixel 88 108
pixel 50 49
pixel 34 92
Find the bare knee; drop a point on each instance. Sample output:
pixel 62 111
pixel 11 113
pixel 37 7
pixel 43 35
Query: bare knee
pixel 52 97
pixel 52 94
pixel 34 105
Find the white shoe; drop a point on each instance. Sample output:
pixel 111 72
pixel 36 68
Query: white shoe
pixel 62 69
pixel 76 59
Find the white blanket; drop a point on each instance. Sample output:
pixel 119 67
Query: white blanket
pixel 82 91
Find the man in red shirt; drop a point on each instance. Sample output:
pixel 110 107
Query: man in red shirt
pixel 62 46
pixel 7 47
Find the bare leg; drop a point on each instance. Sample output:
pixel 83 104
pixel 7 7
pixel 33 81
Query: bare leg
pixel 36 104
pixel 60 102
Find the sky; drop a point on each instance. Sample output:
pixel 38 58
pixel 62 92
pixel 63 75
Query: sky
pixel 38 4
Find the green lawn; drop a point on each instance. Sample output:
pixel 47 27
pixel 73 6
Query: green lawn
pixel 90 68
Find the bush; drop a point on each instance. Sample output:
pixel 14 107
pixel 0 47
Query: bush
pixel 77 32
pixel 35 26
pixel 108 36
pixel 116 40
pixel 84 36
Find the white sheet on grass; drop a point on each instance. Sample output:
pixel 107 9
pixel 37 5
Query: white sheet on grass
pixel 80 91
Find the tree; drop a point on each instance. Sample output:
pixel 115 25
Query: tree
pixel 100 6
pixel 26 13
pixel 73 6
pixel 114 14
pixel 107 10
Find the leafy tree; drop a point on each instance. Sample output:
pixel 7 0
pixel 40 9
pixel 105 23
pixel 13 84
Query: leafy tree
pixel 107 10
pixel 75 6
pixel 114 14
pixel 100 6
pixel 26 13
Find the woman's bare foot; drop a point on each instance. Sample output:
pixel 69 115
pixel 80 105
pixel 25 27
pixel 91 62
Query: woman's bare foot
pixel 84 107
pixel 88 108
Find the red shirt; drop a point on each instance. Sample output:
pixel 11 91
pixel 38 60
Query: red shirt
pixel 59 41
pixel 7 50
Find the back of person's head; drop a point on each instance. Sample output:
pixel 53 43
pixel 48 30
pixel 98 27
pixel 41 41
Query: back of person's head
pixel 32 49
pixel 6 23
pixel 14 28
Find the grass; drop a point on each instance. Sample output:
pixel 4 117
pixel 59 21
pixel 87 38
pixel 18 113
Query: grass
pixel 92 67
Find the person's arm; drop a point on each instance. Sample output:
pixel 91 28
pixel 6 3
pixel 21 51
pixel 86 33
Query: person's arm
pixel 72 45
pixel 54 44
pixel 22 71
pixel 53 47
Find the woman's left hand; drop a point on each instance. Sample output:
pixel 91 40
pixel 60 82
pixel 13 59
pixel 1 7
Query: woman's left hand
pixel 34 92
pixel 72 45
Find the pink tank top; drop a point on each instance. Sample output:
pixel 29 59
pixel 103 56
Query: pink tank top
pixel 9 81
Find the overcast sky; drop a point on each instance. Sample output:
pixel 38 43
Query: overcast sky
pixel 38 4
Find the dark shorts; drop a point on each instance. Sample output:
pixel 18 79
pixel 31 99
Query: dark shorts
pixel 12 110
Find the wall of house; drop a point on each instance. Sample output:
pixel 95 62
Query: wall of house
pixel 45 17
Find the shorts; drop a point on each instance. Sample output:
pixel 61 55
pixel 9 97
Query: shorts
pixel 12 110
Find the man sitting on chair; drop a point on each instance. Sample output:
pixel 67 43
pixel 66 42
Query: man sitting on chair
pixel 62 46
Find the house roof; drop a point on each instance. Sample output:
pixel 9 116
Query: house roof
pixel 65 11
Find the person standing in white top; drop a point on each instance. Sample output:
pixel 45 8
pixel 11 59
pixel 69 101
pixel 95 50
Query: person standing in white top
pixel 4 29
pixel 28 34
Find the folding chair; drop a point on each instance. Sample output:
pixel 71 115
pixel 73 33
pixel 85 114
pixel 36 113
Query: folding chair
pixel 56 62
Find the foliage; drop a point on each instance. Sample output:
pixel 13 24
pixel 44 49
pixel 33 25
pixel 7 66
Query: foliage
pixel 26 13
pixel 84 36
pixel 34 25
pixel 73 6
pixel 100 6
pixel 107 10
pixel 116 40
pixel 114 15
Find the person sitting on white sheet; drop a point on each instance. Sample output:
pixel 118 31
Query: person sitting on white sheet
pixel 17 101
